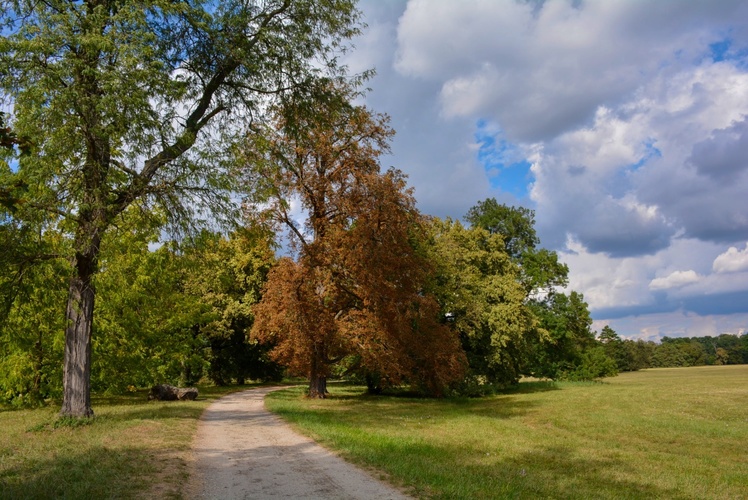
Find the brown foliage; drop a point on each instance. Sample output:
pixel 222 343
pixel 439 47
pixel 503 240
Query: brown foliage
pixel 356 287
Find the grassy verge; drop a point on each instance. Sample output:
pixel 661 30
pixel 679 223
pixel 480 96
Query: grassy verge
pixel 133 448
pixel 665 433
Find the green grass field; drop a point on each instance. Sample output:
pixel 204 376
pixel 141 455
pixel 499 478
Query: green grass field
pixel 133 448
pixel 667 433
pixel 662 433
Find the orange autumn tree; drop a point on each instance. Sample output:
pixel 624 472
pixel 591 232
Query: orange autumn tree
pixel 354 289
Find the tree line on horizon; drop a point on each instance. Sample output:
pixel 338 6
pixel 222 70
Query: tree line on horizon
pixel 674 352
pixel 129 119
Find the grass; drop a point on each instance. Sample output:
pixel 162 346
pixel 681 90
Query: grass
pixel 133 448
pixel 665 433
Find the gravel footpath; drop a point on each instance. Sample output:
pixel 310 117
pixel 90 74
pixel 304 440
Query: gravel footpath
pixel 243 451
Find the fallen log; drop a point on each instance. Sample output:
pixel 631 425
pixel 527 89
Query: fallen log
pixel 166 392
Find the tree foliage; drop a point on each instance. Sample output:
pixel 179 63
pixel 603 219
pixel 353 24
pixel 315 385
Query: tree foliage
pixel 136 103
pixel 477 285
pixel 31 323
pixel 572 352
pixel 225 275
pixel 143 319
pixel 540 270
pixel 355 290
pixel 173 314
pixel 569 349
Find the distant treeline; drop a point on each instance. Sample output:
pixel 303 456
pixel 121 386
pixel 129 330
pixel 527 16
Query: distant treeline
pixel 632 355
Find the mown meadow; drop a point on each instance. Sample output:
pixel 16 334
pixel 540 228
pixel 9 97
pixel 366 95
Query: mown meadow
pixel 132 448
pixel 660 433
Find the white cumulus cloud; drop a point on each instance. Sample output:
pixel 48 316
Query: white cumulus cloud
pixel 732 261
pixel 674 280
pixel 632 115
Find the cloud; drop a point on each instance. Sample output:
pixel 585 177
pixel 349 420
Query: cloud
pixel 616 287
pixel 675 324
pixel 627 184
pixel 723 156
pixel 632 117
pixel 674 280
pixel 541 68
pixel 732 261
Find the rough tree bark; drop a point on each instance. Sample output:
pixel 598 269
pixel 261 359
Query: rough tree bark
pixel 317 377
pixel 76 400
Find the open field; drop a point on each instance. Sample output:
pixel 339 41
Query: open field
pixel 665 433
pixel 133 448
pixel 660 433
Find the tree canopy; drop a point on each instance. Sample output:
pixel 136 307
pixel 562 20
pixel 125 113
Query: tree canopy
pixel 478 287
pixel 540 269
pixel 355 290
pixel 137 103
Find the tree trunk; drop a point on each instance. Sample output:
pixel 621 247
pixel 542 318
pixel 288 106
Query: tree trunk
pixel 318 387
pixel 317 377
pixel 76 374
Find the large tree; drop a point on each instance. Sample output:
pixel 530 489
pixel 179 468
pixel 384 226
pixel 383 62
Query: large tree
pixel 134 103
pixel 355 289
pixel 540 270
pixel 226 275
pixel 477 285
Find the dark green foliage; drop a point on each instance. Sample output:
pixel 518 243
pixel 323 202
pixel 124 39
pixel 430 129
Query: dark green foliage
pixel 592 364
pixel 226 276
pixel 144 322
pixel 572 352
pixel 31 332
pixel 171 314
pixel 630 355
pixel 540 270
pixel 614 347
pixel 638 355
pixel 515 224
pixel 557 342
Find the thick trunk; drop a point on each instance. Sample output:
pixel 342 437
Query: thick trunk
pixel 317 377
pixel 76 375
pixel 318 387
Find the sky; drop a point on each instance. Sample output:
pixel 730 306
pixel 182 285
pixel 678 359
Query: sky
pixel 622 123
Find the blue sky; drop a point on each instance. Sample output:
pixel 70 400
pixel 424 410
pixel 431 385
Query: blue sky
pixel 623 124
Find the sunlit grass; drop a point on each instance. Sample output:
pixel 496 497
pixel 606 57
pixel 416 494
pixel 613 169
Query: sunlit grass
pixel 132 448
pixel 665 433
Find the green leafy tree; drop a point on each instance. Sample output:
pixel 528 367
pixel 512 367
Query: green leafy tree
pixel 669 355
pixel 615 348
pixel 478 288
pixel 226 275
pixel 136 104
pixel 565 356
pixel 565 317
pixel 540 270
pixel 516 225
pixel 144 324
pixel 33 315
pixel 638 354
pixel 728 349
pixel 684 351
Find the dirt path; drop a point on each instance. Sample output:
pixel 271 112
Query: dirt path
pixel 243 451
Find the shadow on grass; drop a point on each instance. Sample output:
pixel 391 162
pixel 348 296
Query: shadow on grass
pixel 551 472
pixel 532 387
pixel 97 472
pixel 384 410
pixel 142 409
